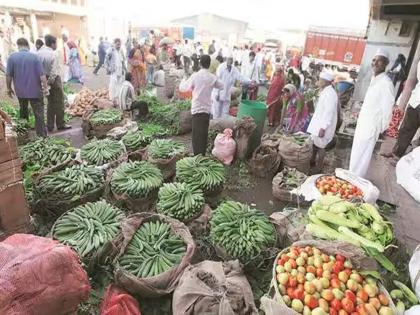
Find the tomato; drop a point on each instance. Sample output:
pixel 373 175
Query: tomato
pixel 383 299
pixel 350 295
pixel 334 190
pixel 299 294
pixel 319 272
pixel 339 257
pixel 361 309
pixel 348 271
pixel 362 294
pixel 342 312
pixel 292 282
pixel 311 269
pixel 333 311
pixel 348 305
pixel 311 301
pixel 335 283
pixel 338 266
pixel 335 304
pixel 293 263
pixel 291 292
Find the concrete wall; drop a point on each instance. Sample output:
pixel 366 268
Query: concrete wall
pixel 386 35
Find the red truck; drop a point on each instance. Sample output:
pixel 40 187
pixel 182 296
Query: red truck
pixel 335 45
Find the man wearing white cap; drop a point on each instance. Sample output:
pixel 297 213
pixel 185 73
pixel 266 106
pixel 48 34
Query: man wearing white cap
pixel 374 116
pixel 324 121
pixel 228 75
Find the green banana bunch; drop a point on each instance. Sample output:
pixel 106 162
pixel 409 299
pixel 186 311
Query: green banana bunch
pixel 165 149
pixel 201 171
pixel 242 231
pixel 153 250
pixel 86 228
pixel 180 201
pixel 70 183
pixel 136 179
pixel 47 152
pixel 100 152
pixel 106 117
pixel 134 140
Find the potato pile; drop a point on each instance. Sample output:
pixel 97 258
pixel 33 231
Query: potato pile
pixel 85 100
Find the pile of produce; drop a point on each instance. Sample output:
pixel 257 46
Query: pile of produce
pixel 290 178
pixel 106 117
pixel 312 282
pixel 85 99
pixel 180 201
pixel 242 231
pixel 87 228
pixel 361 224
pixel 99 152
pixel 201 172
pixel 21 126
pixel 136 179
pixel 44 152
pixel 153 130
pixel 165 149
pixel 336 186
pixel 70 183
pixel 135 140
pixel 152 250
pixel 403 297
pixel 394 125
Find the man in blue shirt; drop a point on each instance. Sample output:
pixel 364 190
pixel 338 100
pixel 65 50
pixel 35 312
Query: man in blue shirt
pixel 102 47
pixel 25 70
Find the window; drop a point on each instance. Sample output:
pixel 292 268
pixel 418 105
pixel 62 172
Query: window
pixel 406 29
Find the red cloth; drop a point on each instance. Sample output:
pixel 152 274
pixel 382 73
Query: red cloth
pixel 118 302
pixel 274 97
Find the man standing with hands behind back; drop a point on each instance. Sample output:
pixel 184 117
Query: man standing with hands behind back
pixel 24 69
pixel 202 84
pixel 374 116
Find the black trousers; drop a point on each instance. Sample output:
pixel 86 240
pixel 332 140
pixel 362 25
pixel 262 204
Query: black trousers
pixel 99 65
pixel 200 131
pixel 55 108
pixel 407 130
pixel 38 109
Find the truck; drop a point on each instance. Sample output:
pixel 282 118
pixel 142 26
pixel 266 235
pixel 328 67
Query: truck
pixel 335 46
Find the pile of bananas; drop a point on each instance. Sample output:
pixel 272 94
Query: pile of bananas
pixel 106 117
pixel 136 179
pixel 134 140
pixel 180 201
pixel 152 250
pixel 46 152
pixel 201 171
pixel 242 231
pixel 86 228
pixel 99 152
pixel 70 183
pixel 165 149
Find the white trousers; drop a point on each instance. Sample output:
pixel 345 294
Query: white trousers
pixel 220 109
pixel 115 84
pixel 361 154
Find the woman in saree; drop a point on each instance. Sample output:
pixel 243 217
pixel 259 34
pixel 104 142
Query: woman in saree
pixel 75 68
pixel 137 68
pixel 274 101
pixel 295 111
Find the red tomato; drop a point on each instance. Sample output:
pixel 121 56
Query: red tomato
pixel 348 305
pixel 311 269
pixel 311 301
pixel 319 272
pixel 335 283
pixel 362 294
pixel 299 294
pixel 290 292
pixel 334 276
pixel 336 304
pixel 292 282
pixel 333 311
pixel 338 266
pixel 339 257
pixel 293 263
pixel 350 295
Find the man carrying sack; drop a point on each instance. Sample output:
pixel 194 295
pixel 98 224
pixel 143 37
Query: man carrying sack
pixel 201 84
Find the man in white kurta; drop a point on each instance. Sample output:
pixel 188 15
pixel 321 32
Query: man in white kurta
pixel 228 75
pixel 324 121
pixel 374 117
pixel 115 61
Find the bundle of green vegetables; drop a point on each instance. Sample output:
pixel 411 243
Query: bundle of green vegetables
pixel 21 125
pixel 180 201
pixel 135 140
pixel 333 218
pixel 242 231
pixel 70 183
pixel 106 117
pixel 165 149
pixel 291 178
pixel 153 130
pixel 182 105
pixel 44 152
pixel 88 227
pixel 99 152
pixel 201 172
pixel 403 297
pixel 136 179
pixel 153 250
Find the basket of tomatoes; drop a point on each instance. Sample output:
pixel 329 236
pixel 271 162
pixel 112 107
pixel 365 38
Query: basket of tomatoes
pixel 311 282
pixel 330 184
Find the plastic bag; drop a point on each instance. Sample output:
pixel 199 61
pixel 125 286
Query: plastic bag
pixel 118 302
pixel 408 173
pixel 40 276
pixel 310 192
pixel 224 147
pixel 415 310
pixel 414 270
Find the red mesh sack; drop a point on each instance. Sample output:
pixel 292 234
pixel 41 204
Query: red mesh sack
pixel 118 302
pixel 40 276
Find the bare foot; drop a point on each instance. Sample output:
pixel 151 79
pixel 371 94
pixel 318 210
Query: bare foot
pixel 388 155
